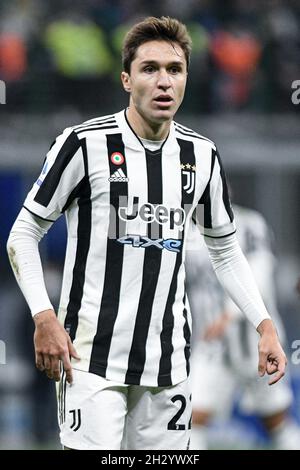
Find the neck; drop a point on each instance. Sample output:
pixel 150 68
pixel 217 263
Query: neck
pixel 145 129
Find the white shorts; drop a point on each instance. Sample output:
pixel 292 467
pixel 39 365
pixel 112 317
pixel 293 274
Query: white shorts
pixel 95 413
pixel 215 386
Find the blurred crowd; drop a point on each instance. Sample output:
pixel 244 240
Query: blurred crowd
pixel 67 52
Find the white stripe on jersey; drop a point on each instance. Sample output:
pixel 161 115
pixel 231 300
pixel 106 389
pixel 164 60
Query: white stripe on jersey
pixel 95 271
pixel 133 262
pixel 123 290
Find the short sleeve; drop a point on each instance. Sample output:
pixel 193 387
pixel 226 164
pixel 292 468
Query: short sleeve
pixel 61 176
pixel 214 212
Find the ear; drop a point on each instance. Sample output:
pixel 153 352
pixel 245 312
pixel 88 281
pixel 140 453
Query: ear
pixel 125 77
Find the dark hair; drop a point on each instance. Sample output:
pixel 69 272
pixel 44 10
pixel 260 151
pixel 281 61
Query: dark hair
pixel 151 29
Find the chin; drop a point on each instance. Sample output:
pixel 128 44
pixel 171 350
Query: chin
pixel 163 115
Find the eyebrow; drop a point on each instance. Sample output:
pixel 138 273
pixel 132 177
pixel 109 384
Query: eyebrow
pixel 152 61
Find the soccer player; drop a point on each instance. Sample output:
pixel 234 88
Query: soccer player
pixel 129 184
pixel 224 337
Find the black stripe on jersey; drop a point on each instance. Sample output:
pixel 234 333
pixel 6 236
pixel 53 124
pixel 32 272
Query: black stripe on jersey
pixel 187 337
pixel 226 198
pixel 96 128
pixel 59 395
pixel 114 264
pixel 82 249
pixel 221 236
pixel 51 181
pixel 187 156
pixel 97 120
pixel 95 123
pixel 151 268
pixel 187 129
pixel 205 198
pixel 154 172
pixel 164 375
pixel 189 134
pixel 64 397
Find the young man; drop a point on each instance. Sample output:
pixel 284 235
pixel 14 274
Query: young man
pixel 225 336
pixel 129 184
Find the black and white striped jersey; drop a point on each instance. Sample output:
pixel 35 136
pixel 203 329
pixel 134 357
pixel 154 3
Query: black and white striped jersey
pixel 127 210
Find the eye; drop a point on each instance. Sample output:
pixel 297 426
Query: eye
pixel 149 69
pixel 175 69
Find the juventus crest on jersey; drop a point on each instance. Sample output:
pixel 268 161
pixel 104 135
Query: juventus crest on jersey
pixel 127 210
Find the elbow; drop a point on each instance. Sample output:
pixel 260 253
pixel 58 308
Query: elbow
pixel 12 254
pixel 10 244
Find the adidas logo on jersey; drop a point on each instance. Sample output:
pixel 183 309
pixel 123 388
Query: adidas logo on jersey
pixel 118 177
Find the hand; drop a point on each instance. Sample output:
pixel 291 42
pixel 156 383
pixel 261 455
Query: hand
pixel 271 355
pixel 52 344
pixel 217 328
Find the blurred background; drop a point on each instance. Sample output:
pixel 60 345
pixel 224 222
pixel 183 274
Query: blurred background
pixel 60 61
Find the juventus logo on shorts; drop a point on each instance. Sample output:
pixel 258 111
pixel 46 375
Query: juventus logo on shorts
pixel 76 419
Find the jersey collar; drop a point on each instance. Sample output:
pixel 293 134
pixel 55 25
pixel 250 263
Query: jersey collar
pixel 131 139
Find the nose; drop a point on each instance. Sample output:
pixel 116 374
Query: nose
pixel 163 80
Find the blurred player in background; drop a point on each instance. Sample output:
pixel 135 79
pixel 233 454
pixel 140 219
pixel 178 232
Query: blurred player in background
pixel 129 184
pixel 224 340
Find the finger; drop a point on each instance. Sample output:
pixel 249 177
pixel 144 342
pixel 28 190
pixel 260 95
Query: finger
pixel 262 363
pixel 49 374
pixel 39 361
pixel 67 367
pixel 55 369
pixel 47 363
pixel 272 367
pixel 280 373
pixel 276 377
pixel 47 366
pixel 72 350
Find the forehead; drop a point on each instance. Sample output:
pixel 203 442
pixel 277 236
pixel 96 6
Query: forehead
pixel 160 51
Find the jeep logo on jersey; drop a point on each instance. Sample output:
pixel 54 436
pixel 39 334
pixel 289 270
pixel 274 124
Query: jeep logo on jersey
pixel 154 213
pixel 138 241
pixel 117 158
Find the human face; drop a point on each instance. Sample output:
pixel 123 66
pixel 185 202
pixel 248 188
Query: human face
pixel 156 81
